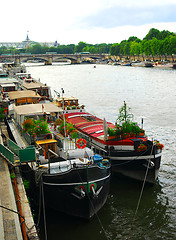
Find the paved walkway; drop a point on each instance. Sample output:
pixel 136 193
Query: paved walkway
pixel 9 222
pixel 10 228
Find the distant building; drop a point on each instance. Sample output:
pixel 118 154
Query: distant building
pixel 26 42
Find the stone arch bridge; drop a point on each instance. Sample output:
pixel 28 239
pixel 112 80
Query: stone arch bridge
pixel 49 58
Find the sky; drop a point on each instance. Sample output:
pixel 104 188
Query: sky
pixel 92 21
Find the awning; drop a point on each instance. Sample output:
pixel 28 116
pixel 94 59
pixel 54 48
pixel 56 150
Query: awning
pixel 23 94
pixel 36 109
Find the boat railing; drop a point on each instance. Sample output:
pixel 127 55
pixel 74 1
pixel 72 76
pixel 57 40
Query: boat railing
pixel 26 136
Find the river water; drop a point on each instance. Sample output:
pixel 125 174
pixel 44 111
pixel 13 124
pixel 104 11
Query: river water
pixel 151 94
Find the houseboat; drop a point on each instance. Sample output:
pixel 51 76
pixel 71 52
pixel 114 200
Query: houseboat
pixel 42 89
pixel 130 151
pixel 12 68
pixel 74 179
pixel 25 78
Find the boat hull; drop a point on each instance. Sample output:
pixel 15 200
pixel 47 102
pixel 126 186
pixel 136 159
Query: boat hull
pixel 132 164
pixel 124 152
pixel 72 193
pixel 139 169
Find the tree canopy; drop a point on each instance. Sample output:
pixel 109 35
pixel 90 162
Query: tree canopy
pixel 155 42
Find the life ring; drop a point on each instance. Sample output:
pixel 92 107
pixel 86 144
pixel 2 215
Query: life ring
pixel 81 143
pixel 48 136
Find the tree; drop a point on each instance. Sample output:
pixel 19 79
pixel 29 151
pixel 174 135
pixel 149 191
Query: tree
pixel 154 46
pixel 133 39
pixel 135 48
pixel 147 48
pixel 126 48
pixel 164 34
pixel 36 48
pixel 171 45
pixel 80 46
pixel 122 44
pixel 115 49
pixel 152 33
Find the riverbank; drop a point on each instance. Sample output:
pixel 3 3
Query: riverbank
pixel 14 202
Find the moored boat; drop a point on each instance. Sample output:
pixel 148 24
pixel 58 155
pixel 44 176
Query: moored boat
pixel 74 179
pixel 12 69
pixel 125 145
pixel 39 88
pixel 76 184
pixel 142 64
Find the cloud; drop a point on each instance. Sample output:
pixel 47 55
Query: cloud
pixel 95 21
pixel 134 15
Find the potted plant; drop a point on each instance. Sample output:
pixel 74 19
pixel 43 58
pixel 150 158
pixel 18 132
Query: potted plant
pixel 159 145
pixel 125 126
pixel 141 148
pixel 111 133
pixel 35 127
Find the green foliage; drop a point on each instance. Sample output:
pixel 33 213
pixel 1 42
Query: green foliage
pixel 123 114
pixel 67 129
pixel 111 131
pixel 128 127
pixel 134 39
pixel 155 43
pixel 152 33
pixel 124 126
pixel 26 184
pixel 35 127
pixel 80 46
pixel 12 175
pixel 2 116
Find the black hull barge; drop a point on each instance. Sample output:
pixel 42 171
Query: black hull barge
pixel 131 154
pixel 76 190
pixel 74 179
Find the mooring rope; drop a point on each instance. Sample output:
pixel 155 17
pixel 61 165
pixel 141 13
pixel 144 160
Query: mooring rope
pixel 38 221
pixel 11 210
pixel 142 189
pixel 101 225
pixel 43 201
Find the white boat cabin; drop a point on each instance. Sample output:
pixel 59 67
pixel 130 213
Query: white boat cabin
pixel 48 110
pixel 25 77
pixel 8 85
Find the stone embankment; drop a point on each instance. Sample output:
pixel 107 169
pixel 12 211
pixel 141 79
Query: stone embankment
pixel 10 226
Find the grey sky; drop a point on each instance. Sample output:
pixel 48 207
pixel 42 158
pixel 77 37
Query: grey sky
pixel 93 21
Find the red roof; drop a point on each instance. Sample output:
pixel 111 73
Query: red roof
pixel 87 123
